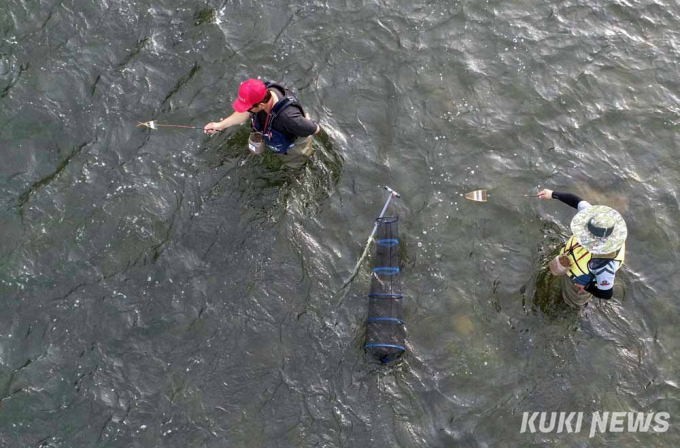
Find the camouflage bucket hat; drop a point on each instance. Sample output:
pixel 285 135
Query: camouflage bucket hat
pixel 600 229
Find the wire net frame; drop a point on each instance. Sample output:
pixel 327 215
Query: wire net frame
pixel 385 330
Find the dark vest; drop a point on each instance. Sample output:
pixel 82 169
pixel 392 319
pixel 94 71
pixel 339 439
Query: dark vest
pixel 277 141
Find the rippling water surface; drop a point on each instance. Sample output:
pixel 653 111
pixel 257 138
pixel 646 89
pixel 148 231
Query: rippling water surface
pixel 166 289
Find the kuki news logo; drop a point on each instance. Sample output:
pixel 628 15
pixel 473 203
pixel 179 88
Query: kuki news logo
pixel 601 422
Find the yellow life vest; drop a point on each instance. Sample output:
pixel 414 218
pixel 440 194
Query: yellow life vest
pixel 580 257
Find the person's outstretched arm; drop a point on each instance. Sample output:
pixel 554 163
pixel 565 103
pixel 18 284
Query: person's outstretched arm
pixel 231 120
pixel 570 199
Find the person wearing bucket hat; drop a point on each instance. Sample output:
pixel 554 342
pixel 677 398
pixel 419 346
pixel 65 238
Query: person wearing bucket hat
pixel 278 120
pixel 595 251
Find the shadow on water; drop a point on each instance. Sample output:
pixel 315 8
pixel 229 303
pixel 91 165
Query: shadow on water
pixel 543 292
pixel 546 293
pixel 314 183
pixel 259 181
pixel 256 174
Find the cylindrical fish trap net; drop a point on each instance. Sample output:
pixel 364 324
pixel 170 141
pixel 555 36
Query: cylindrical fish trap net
pixel 385 330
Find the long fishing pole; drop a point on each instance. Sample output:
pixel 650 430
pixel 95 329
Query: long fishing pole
pixel 153 125
pixel 482 196
pixel 393 194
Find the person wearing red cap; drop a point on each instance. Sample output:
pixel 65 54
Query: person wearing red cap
pixel 275 114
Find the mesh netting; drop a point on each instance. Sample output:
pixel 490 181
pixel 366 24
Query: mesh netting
pixel 385 330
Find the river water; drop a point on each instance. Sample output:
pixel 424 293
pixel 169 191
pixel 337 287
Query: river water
pixel 166 289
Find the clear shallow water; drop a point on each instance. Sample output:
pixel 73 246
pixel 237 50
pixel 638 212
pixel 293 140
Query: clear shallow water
pixel 165 289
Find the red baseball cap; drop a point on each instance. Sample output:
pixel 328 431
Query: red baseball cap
pixel 251 92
